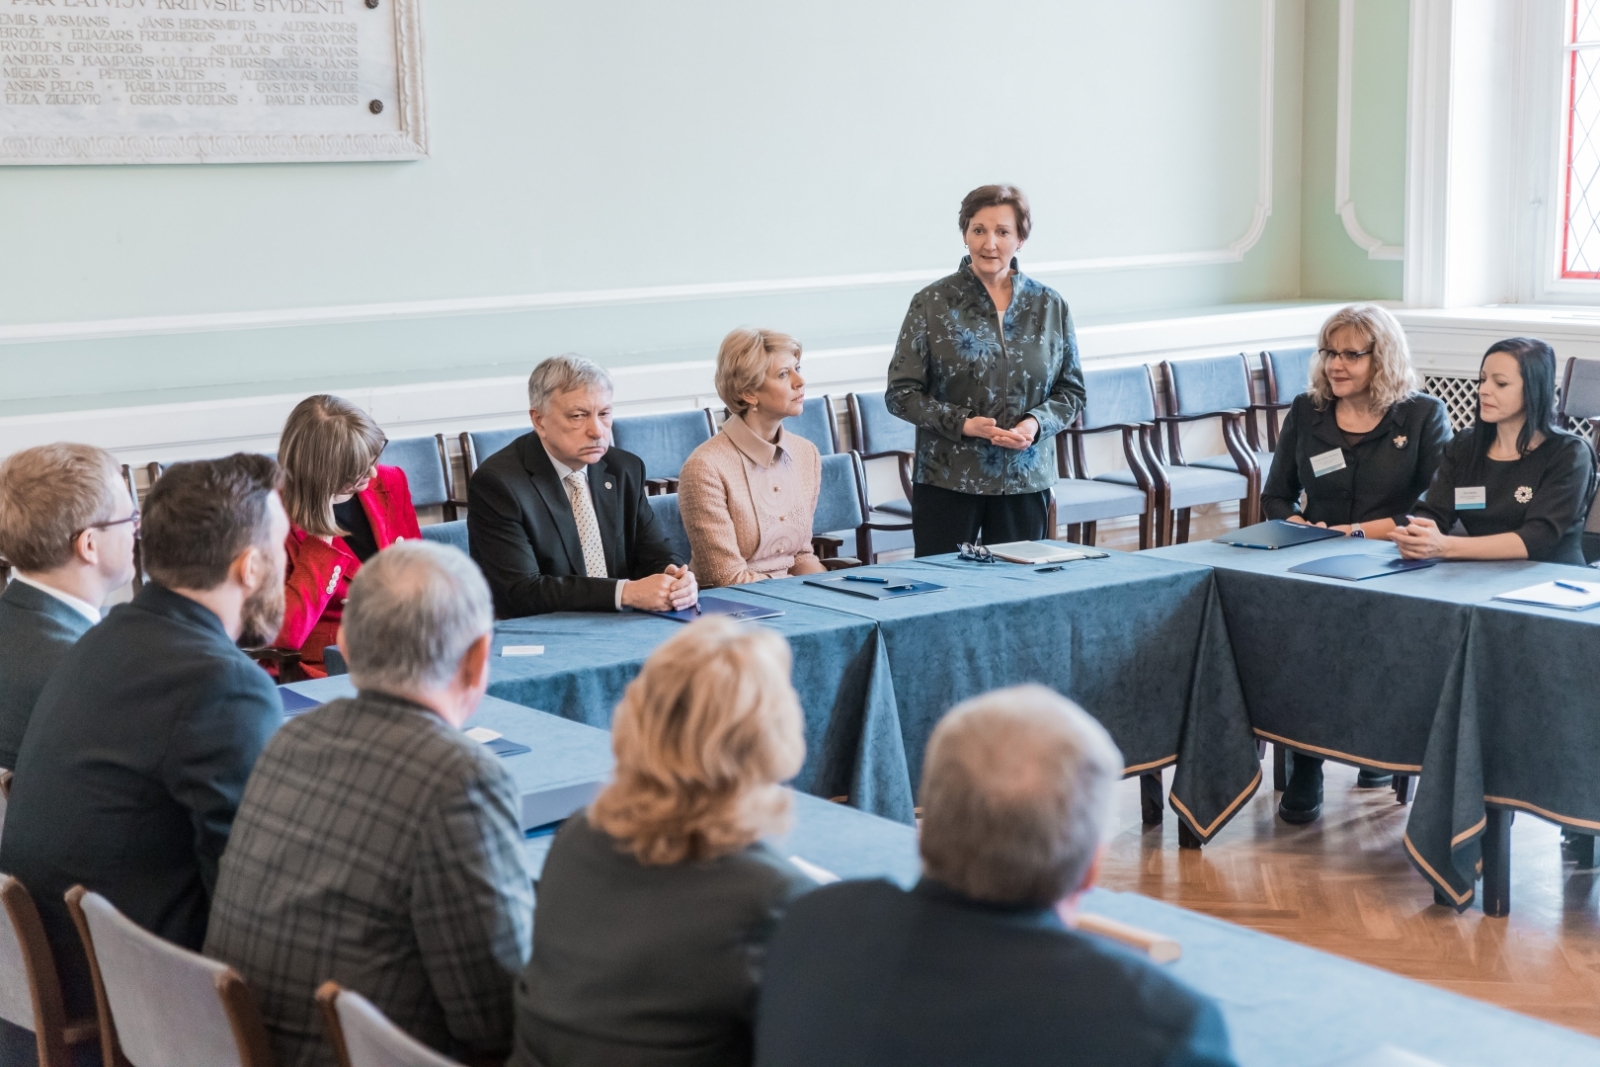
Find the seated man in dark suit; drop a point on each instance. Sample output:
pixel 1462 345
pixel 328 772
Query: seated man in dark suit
pixel 140 744
pixel 377 845
pixel 558 519
pixel 66 526
pixel 980 962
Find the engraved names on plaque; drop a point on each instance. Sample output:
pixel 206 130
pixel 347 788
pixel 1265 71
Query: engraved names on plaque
pixel 210 81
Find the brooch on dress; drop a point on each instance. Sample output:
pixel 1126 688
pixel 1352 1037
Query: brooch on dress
pixel 1400 441
pixel 1523 494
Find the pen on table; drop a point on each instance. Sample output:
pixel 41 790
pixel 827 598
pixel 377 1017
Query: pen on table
pixel 866 578
pixel 1049 570
pixel 1574 586
pixel 697 607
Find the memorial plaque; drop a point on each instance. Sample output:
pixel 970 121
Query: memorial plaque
pixel 210 81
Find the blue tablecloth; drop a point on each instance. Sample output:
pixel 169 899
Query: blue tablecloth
pixel 1139 643
pixel 1421 671
pixel 853 745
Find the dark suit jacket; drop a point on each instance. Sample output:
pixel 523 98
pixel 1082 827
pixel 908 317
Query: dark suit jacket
pixel 865 973
pixel 36 630
pixel 523 535
pixel 132 770
pixel 1383 475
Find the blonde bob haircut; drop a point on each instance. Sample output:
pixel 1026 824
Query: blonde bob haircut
pixel 703 737
pixel 743 362
pixel 1393 376
pixel 328 445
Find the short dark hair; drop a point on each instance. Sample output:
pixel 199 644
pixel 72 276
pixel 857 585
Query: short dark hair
pixel 993 196
pixel 200 515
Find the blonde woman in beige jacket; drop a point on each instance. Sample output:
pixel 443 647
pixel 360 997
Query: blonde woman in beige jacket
pixel 748 495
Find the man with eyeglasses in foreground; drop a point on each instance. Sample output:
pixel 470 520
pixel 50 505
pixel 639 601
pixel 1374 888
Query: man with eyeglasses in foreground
pixel 67 526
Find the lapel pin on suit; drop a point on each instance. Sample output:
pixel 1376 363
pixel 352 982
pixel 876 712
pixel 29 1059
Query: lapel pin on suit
pixel 1400 441
pixel 608 485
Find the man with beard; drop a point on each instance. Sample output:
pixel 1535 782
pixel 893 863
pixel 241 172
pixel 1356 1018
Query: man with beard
pixel 138 750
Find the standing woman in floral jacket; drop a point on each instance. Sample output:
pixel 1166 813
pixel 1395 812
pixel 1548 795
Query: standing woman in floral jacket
pixel 986 368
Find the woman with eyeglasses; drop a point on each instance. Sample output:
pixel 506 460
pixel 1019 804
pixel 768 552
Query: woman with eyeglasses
pixel 343 509
pixel 1362 445
pixel 1519 484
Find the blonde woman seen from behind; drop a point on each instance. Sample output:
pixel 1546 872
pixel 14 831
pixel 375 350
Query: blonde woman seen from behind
pixel 748 495
pixel 656 904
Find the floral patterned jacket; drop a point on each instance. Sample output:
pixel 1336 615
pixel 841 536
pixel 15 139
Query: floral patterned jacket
pixel 952 362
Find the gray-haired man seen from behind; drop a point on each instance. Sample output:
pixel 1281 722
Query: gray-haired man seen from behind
pixel 376 844
pixel 558 519
pixel 979 963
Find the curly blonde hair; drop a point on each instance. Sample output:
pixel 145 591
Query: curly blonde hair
pixel 1393 376
pixel 703 737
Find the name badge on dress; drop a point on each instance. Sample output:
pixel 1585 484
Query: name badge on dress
pixel 1471 498
pixel 1328 462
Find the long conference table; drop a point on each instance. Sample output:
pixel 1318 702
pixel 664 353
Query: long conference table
pixel 1494 704
pixel 1139 642
pixel 1285 1005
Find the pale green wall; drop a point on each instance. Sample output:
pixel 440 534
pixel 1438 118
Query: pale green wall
pixel 602 146
pixel 1332 265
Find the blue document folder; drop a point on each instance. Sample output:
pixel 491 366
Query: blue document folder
pixel 888 589
pixel 715 605
pixel 1359 566
pixel 1276 533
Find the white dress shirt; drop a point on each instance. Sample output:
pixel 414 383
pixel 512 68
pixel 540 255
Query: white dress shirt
pixel 562 473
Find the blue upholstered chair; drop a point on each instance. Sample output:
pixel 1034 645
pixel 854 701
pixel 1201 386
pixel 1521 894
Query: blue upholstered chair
pixel 877 435
pixel 816 424
pixel 1199 390
pixel 479 445
pixel 670 519
pixel 841 509
pixel 428 474
pixel 663 441
pixel 1117 399
pixel 1287 374
pixel 453 533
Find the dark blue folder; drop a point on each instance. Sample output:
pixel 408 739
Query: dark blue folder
pixel 1359 566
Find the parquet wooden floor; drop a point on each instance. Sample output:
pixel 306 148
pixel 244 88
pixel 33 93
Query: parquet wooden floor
pixel 1343 885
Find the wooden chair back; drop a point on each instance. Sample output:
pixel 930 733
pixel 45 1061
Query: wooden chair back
pixel 161 1005
pixel 362 1037
pixel 30 986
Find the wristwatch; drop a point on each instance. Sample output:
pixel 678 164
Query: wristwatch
pixel 1356 530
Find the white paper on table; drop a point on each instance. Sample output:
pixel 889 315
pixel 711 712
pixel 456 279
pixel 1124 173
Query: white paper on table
pixel 819 875
pixel 1551 595
pixel 522 650
pixel 483 735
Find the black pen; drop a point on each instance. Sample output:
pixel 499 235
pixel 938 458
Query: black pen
pixel 1049 570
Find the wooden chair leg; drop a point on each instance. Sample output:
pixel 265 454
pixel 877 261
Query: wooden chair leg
pixel 1089 533
pixel 1402 788
pixel 1150 800
pixel 1583 851
pixel 1144 531
pixel 1497 862
pixel 1280 768
pixel 1183 527
pixel 1074 533
pixel 1187 838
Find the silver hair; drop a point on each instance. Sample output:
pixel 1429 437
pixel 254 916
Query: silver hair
pixel 414 610
pixel 562 374
pixel 1017 793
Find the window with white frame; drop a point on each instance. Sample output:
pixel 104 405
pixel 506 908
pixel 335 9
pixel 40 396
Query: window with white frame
pixel 1580 162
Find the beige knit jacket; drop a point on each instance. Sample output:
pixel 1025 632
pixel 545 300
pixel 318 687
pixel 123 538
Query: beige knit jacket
pixel 717 501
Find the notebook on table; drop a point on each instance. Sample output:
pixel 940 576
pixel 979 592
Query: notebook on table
pixel 1569 596
pixel 1040 552
pixel 715 605
pixel 1359 566
pixel 1276 533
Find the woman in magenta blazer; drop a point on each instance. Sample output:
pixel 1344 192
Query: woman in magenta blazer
pixel 344 509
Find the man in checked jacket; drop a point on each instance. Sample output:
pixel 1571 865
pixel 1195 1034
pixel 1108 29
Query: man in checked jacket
pixel 377 845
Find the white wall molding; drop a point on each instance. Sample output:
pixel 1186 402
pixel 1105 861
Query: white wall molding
pixel 1344 204
pixel 102 329
pixel 190 429
pixel 1427 153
